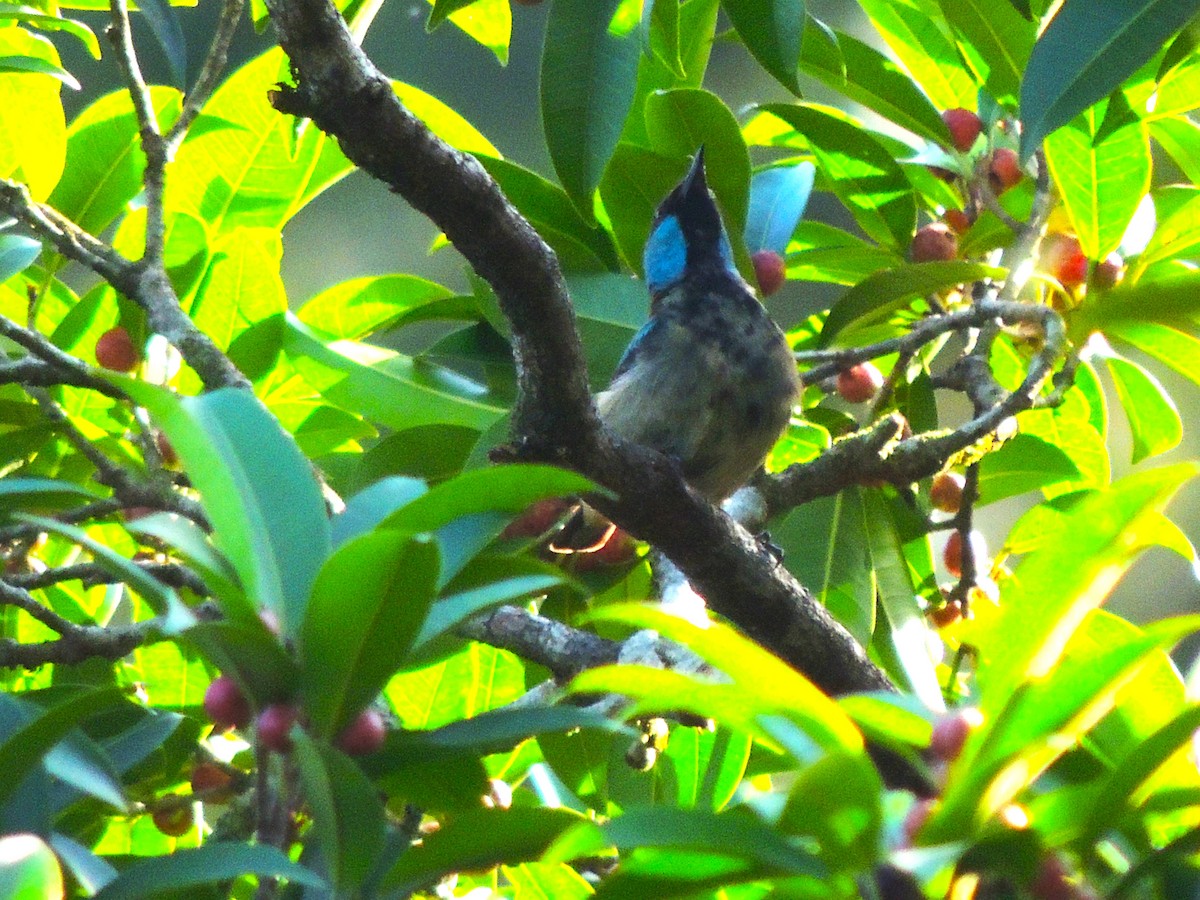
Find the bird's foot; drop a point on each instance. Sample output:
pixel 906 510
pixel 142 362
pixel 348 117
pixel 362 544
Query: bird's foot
pixel 769 547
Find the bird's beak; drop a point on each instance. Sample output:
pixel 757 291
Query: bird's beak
pixel 694 180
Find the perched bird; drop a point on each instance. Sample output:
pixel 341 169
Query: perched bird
pixel 709 380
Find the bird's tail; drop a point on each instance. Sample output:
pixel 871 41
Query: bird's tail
pixel 585 531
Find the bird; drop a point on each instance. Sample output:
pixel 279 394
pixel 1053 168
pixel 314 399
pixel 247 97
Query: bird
pixel 709 380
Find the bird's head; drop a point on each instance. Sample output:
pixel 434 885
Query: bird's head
pixel 687 235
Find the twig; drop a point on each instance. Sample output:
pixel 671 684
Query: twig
pixel 69 366
pixel 563 650
pixel 210 72
pixel 171 574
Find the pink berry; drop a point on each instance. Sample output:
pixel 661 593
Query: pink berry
pixel 225 704
pixel 770 270
pixel 273 725
pixel 364 735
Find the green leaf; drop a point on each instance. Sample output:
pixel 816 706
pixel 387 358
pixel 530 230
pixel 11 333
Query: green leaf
pixel 29 16
pixel 820 252
pixel 1170 346
pixel 877 297
pixel 41 495
pixel 868 77
pixel 1022 464
pixel 242 285
pixel 925 50
pixel 1180 137
pixel 995 41
pixel 772 31
pixel 1168 299
pixel 766 683
pixel 1176 237
pixel 367 606
pixel 347 815
pixel 1082 57
pixel 660 34
pixel 258 490
pixel 1101 183
pixel 680 121
pixel 253 656
pixel 778 198
pixel 474 679
pixel 192 867
pixel 443 121
pixel 589 70
pixel 28 868
pixel 31 64
pixel 896 718
pixel 635 183
pixel 25 747
pixel 479 839
pixel 864 175
pixel 1153 417
pixel 165 24
pixel 32 124
pixel 552 213
pixel 489 22
pixel 387 387
pixel 162 599
pixel 1062 582
pixel 104 164
pixel 839 801
pixel 191 542
pixel 374 503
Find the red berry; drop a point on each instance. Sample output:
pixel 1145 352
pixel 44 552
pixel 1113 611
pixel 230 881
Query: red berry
pixel 1063 258
pixel 115 350
pixel 173 820
pixel 945 615
pixel 536 519
pixel 950 734
pixel 273 726
pixel 225 704
pixel 964 127
pixel 133 513
pixel 933 242
pixel 213 782
pixel 859 383
pixel 946 492
pixel 1005 170
pixel 952 554
pixel 770 270
pixel 364 735
pixel 1109 271
pixel 958 220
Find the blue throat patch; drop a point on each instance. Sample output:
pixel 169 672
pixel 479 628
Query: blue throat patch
pixel 665 257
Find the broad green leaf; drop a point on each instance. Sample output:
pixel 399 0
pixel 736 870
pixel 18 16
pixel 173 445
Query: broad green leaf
pixel 837 566
pixel 896 718
pixel 864 175
pixel 878 297
pixel 680 121
pixel 772 31
pixel 479 839
pixel 609 310
pixel 995 41
pixel 26 15
pixel 868 77
pixel 25 747
pixel 925 50
pixel 898 596
pixel 258 490
pixel 243 164
pixel 366 609
pixel 589 70
pixel 778 198
pixel 766 682
pixel 162 599
pixel 252 656
pixel 1177 236
pixel 1180 137
pixel 387 387
pixel 636 181
pixel 90 871
pixel 475 679
pixel 1170 346
pixel 22 64
pixel 191 542
pixel 242 285
pixel 1053 589
pixel 1068 428
pixel 443 121
pixel 489 22
pixel 1101 183
pixel 104 163
pixel 1084 54
pixel 534 881
pixel 660 34
pixel 347 814
pixel 1022 464
pixel 41 495
pixel 820 252
pixel 839 801
pixel 164 23
pixel 551 212
pixel 1168 299
pixel 33 128
pixel 191 867
pixel 372 505
pixel 1153 417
